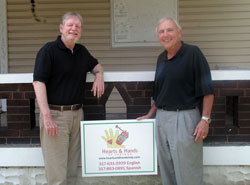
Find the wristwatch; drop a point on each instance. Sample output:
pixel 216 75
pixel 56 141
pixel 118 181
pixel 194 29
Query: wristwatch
pixel 207 119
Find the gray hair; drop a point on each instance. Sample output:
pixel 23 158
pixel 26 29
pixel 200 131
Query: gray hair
pixel 71 14
pixel 168 18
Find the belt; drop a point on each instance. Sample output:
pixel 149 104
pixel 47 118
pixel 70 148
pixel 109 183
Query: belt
pixel 175 109
pixel 65 107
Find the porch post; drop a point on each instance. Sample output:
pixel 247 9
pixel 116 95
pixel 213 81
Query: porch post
pixel 3 37
pixel 3 45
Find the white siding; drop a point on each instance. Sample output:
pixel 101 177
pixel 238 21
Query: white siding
pixel 26 36
pixel 221 28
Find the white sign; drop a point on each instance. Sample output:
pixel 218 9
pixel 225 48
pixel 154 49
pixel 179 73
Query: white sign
pixel 118 148
pixel 134 22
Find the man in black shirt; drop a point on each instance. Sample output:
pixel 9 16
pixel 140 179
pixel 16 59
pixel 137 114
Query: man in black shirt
pixel 182 83
pixel 59 80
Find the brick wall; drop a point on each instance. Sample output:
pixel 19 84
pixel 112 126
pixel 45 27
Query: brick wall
pixel 230 115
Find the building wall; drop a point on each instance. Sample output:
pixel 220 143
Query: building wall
pixel 220 28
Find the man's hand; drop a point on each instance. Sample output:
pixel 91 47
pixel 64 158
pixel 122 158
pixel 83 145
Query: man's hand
pixel 143 117
pixel 50 126
pixel 98 85
pixel 111 139
pixel 201 131
pixel 150 113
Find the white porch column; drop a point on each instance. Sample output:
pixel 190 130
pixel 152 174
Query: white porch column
pixel 3 37
pixel 3 45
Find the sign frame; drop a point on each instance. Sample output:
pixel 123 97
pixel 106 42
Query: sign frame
pixel 118 148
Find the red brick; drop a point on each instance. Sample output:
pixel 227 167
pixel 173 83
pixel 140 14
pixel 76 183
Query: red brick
pixel 25 87
pixel 18 140
pixel 138 109
pixel 220 116
pixel 244 131
pixel 94 109
pixel 30 132
pixel 219 100
pixel 247 92
pixel 145 85
pixel 142 101
pixel 2 141
pixel 130 85
pixel 18 103
pixel 225 84
pixel 217 123
pixel 244 83
pixel 219 108
pixel 6 95
pixel 244 123
pixel 239 139
pixel 244 115
pixel 18 118
pixel 18 125
pixel 4 132
pixel 18 95
pixel 90 101
pixel 244 100
pixel 226 131
pixel 124 94
pixel 134 94
pixel 210 131
pixel 148 93
pixel 231 92
pixel 134 115
pixel 18 110
pixel 217 92
pixel 29 95
pixel 35 140
pixel 243 107
pixel 8 87
pixel 94 116
pixel 215 139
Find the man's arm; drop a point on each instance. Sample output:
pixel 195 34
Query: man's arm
pixel 150 113
pixel 98 85
pixel 202 128
pixel 41 96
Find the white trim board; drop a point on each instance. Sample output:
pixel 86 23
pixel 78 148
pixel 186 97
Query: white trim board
pixel 129 76
pixel 212 155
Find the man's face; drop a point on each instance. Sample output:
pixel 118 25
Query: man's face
pixel 71 29
pixel 168 34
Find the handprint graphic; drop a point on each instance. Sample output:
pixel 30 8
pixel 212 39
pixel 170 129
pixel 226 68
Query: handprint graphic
pixel 115 141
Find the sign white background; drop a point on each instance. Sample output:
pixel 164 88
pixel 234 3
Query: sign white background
pixel 138 157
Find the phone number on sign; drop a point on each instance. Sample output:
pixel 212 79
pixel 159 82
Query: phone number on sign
pixel 113 163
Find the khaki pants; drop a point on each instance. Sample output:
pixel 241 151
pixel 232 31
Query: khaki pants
pixel 180 157
pixel 62 153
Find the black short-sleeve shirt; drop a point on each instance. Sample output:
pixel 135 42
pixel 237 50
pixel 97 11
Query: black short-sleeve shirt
pixel 182 81
pixel 63 71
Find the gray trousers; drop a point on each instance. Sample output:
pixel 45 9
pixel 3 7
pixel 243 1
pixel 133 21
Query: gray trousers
pixel 180 157
pixel 62 153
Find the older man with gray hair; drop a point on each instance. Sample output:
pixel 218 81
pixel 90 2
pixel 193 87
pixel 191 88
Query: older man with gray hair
pixel 59 81
pixel 182 83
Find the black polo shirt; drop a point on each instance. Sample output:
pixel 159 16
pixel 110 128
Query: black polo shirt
pixel 63 72
pixel 182 81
